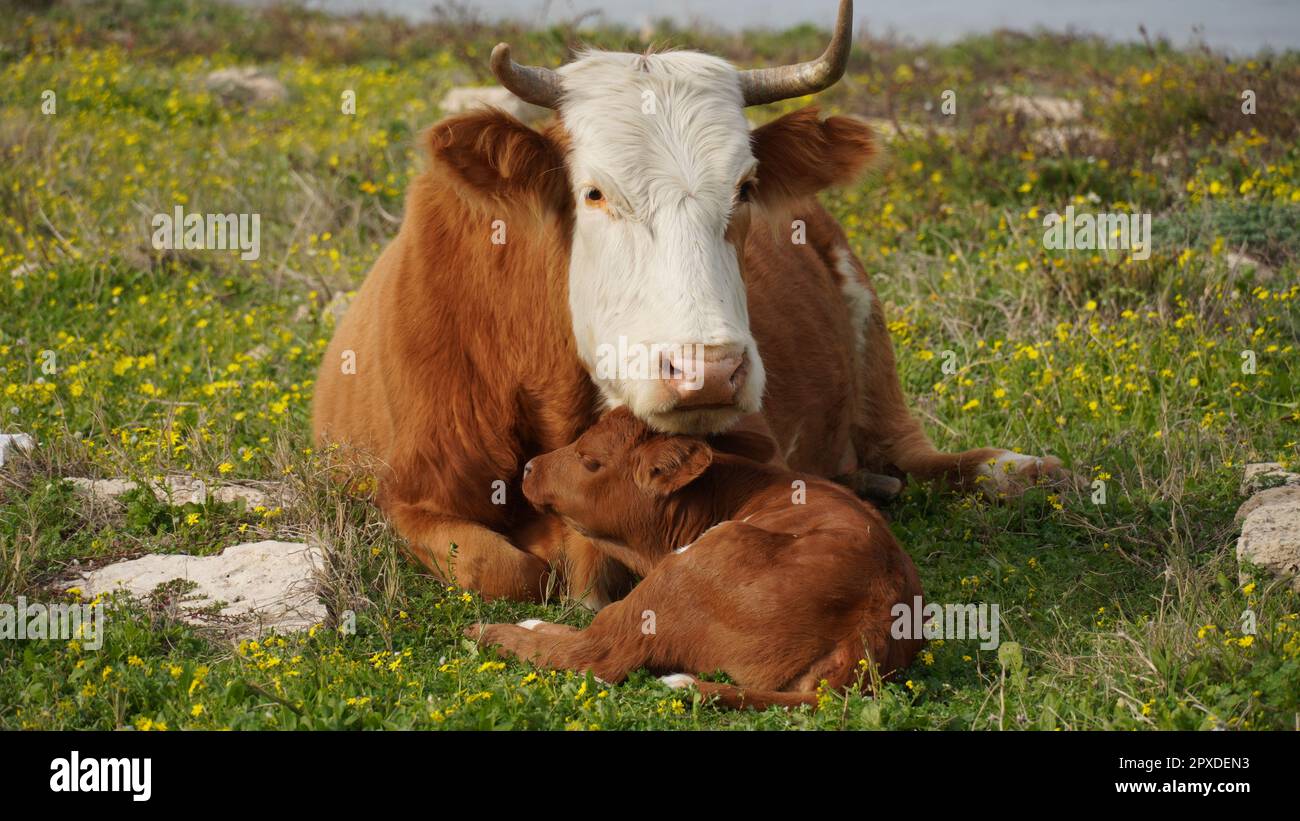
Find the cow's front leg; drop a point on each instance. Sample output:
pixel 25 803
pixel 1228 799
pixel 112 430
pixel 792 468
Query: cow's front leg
pixel 585 574
pixel 997 473
pixel 469 554
pixel 887 436
pixel 1007 473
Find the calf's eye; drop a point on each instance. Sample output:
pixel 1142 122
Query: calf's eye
pixel 594 196
pixel 745 192
pixel 590 464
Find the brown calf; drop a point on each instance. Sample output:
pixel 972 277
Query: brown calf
pixel 781 580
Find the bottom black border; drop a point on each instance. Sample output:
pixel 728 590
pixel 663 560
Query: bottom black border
pixel 209 770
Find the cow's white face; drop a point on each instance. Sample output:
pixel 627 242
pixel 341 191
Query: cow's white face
pixel 660 165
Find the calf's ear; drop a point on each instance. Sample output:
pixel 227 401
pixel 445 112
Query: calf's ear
pixel 666 465
pixel 801 154
pixel 489 154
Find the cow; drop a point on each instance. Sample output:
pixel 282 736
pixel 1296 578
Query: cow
pixel 784 597
pixel 537 271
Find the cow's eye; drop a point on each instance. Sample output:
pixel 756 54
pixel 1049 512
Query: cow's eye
pixel 594 197
pixel 590 464
pixel 745 192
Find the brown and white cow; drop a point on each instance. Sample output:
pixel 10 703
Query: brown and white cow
pixel 535 272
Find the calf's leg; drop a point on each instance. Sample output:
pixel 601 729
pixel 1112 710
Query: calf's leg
pixel 609 649
pixel 887 436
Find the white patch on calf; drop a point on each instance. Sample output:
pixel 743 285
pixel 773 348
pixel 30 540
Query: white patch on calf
pixel 678 681
pixel 530 624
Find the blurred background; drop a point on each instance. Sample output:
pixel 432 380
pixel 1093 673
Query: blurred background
pixel 1239 25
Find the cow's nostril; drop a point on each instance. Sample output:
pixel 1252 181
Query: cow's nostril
pixel 737 377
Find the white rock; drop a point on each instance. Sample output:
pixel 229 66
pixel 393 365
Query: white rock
pixel 101 490
pixel 1270 539
pixel 12 442
pixel 1285 494
pixel 251 496
pixel 247 85
pixel 1266 474
pixel 1040 108
pixel 887 130
pixel 1245 261
pixel 182 490
pixel 1057 139
pixel 467 98
pixel 264 585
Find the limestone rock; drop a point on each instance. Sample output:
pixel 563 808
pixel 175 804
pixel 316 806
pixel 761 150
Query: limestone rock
pixel 1040 108
pixel 1245 262
pixel 12 442
pixel 1057 139
pixel 183 490
pixel 246 85
pixel 1260 475
pixel 1286 494
pixel 1270 539
pixel 262 586
pixel 1270 522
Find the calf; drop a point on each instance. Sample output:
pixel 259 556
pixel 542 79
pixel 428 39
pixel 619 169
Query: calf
pixel 779 579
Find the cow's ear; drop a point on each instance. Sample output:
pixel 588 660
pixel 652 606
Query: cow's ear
pixel 748 444
pixel 800 154
pixel 669 464
pixel 490 154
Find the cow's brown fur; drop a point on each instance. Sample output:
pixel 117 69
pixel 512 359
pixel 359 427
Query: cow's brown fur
pixel 784 587
pixel 466 364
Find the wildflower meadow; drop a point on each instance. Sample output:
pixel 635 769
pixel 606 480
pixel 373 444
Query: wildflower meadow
pixel 1155 373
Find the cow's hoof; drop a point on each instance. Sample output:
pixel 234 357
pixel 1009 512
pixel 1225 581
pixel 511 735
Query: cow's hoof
pixel 1011 474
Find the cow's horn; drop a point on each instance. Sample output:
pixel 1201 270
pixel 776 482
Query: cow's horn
pixel 767 85
pixel 539 86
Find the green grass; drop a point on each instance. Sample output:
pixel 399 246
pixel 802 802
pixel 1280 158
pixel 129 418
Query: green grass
pixel 1124 615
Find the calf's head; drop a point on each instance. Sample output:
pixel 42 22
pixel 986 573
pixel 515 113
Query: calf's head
pixel 657 175
pixel 625 482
